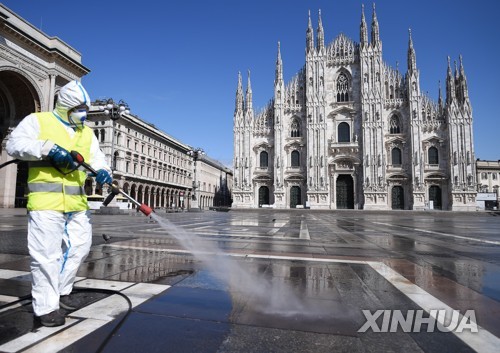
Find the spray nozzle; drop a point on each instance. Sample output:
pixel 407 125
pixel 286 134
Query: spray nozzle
pixel 145 209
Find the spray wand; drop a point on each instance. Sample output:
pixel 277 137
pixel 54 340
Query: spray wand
pixel 115 190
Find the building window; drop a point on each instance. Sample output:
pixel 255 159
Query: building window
pixel 396 156
pixel 484 176
pixel 115 159
pixel 342 88
pixel 433 156
pixel 263 159
pixel 344 133
pixel 295 159
pixel 394 127
pixel 494 176
pixel 295 128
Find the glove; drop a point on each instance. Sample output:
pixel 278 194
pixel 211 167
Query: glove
pixel 103 177
pixel 61 157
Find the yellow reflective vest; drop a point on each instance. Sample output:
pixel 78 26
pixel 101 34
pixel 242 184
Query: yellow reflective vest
pixel 48 188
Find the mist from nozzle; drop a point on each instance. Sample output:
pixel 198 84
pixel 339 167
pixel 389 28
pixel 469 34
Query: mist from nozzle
pixel 270 297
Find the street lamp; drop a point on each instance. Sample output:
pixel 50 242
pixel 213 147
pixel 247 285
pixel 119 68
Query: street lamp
pixel 195 153
pixel 115 111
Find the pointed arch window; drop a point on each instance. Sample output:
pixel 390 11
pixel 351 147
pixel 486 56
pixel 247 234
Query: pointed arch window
pixel 295 159
pixel 433 155
pixel 264 159
pixel 394 125
pixel 396 156
pixel 295 128
pixel 342 88
pixel 344 132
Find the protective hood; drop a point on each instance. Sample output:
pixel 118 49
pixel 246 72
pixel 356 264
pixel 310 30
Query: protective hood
pixel 71 95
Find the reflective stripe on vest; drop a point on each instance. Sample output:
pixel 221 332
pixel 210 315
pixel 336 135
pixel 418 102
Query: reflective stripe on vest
pixel 52 187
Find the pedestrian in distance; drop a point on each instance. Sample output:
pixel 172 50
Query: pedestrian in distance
pixel 59 228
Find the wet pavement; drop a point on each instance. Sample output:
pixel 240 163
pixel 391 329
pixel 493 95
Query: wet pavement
pixel 304 278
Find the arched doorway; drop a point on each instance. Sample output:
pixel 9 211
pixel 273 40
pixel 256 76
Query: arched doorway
pixel 140 194
pixel 18 98
pixel 435 195
pixel 133 191
pixel 398 198
pixel 295 197
pixel 263 195
pixel 89 186
pixel 345 192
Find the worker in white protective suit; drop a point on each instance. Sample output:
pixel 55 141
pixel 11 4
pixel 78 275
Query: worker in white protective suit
pixel 59 229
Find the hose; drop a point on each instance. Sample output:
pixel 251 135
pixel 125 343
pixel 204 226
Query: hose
pixel 91 290
pixel 9 162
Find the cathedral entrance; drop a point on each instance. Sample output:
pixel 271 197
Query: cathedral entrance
pixel 435 196
pixel 398 198
pixel 345 192
pixel 263 196
pixel 295 198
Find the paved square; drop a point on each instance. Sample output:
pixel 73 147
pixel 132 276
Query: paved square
pixel 319 270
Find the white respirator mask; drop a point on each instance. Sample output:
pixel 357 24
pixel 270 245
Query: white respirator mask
pixel 77 117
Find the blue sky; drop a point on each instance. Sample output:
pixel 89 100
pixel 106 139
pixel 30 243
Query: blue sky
pixel 176 62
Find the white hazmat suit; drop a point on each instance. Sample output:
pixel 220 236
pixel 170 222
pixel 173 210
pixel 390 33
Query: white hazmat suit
pixel 58 242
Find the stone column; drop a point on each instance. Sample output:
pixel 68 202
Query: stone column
pixel 8 177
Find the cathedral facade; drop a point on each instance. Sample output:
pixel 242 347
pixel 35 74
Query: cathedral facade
pixel 350 132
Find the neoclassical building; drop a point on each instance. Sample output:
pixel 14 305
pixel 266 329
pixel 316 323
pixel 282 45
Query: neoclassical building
pixel 488 177
pixel 349 131
pixel 154 167
pixel 147 163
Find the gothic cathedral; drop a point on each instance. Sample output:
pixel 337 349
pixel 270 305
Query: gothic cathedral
pixel 350 132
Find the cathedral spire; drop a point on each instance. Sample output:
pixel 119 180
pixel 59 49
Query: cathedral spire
pixel 458 92
pixel 412 59
pixel 463 80
pixel 375 29
pixel 450 85
pixel 309 36
pixel 440 97
pixel 248 100
pixel 321 34
pixel 239 95
pixel 363 30
pixel 279 67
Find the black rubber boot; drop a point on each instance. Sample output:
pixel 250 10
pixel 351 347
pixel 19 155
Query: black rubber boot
pixel 66 302
pixel 52 319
